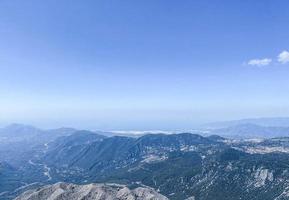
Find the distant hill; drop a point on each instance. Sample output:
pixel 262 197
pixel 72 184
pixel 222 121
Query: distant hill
pixel 251 131
pixel 266 121
pixel 21 133
pixel 19 141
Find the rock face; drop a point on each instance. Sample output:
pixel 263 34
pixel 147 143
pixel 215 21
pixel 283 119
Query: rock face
pixel 67 191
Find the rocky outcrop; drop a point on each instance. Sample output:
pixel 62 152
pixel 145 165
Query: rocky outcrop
pixel 67 191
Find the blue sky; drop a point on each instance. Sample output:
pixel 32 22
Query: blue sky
pixel 154 64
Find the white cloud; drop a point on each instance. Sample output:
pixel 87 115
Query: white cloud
pixel 283 57
pixel 260 62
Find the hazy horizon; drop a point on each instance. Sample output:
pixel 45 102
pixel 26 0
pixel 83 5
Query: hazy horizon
pixel 142 65
pixel 261 121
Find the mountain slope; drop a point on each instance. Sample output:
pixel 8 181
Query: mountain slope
pixel 116 152
pixel 183 165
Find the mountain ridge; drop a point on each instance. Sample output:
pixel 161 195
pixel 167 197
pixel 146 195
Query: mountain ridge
pixel 65 191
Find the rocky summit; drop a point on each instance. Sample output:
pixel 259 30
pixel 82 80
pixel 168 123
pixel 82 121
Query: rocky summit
pixel 68 191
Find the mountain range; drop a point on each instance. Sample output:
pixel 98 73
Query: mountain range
pixel 178 166
pixel 262 121
pixel 251 131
